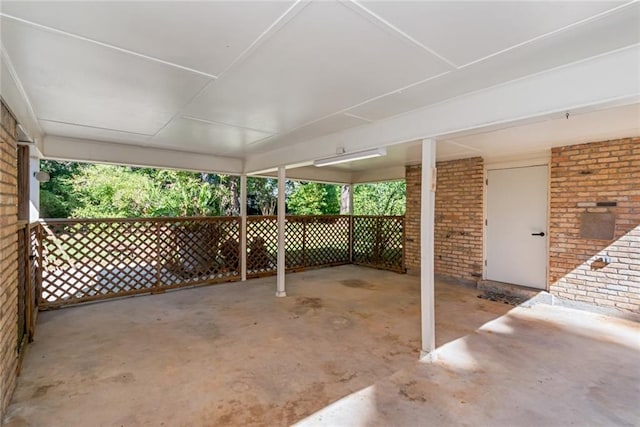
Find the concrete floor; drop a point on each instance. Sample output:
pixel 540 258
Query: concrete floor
pixel 340 350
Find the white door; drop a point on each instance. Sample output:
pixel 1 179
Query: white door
pixel 517 226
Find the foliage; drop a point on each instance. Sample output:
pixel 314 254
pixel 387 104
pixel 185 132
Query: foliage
pixel 312 198
pixel 383 198
pixel 99 191
pixel 262 195
pixel 57 198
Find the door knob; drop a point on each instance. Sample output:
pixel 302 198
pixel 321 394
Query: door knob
pixel 541 234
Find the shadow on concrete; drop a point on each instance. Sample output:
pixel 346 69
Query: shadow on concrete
pixel 531 367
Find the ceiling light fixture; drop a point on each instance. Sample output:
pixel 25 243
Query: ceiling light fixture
pixel 350 157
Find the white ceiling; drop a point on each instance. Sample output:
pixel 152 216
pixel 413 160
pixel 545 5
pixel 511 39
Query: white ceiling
pixel 241 78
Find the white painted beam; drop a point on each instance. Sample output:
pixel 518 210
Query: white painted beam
pixel 599 82
pixel 314 174
pixel 84 150
pixel 393 173
pixel 34 186
pixel 427 282
pixel 280 286
pixel 243 227
pixel 15 97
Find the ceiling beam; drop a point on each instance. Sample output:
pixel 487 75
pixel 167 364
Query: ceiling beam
pixel 599 82
pixel 84 150
pixel 15 97
pixel 393 173
pixel 314 174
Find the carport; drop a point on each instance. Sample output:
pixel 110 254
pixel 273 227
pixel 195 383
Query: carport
pixel 340 92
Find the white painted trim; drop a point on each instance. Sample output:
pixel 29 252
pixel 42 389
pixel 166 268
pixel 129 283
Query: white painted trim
pixel 394 173
pixel 243 227
pixel 548 284
pixel 485 214
pixel 313 174
pixel 17 100
pixel 34 185
pixel 281 271
pixel 574 87
pixel 84 150
pixel 427 226
pixel 518 162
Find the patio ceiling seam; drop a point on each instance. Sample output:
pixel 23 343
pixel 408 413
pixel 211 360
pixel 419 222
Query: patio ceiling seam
pixel 109 46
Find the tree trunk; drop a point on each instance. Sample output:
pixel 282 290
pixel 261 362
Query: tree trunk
pixel 234 187
pixel 344 200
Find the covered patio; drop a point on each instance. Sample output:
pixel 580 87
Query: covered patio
pixel 542 99
pixel 339 350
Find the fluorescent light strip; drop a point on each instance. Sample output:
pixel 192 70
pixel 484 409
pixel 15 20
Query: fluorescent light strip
pixel 350 157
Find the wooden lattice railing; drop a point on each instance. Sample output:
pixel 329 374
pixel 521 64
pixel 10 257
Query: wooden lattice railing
pixel 92 259
pixel 311 241
pixel 86 260
pixel 378 241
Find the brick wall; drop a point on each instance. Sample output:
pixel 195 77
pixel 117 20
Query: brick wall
pixel 458 218
pixel 598 172
pixel 8 257
pixel 413 176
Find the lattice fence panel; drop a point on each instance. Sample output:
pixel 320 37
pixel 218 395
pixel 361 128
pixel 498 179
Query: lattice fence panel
pixel 84 260
pixel 262 245
pixel 196 251
pixel 379 242
pixel 22 285
pixel 364 240
pixel 295 242
pixel 87 260
pixel 391 243
pixel 327 240
pixel 35 265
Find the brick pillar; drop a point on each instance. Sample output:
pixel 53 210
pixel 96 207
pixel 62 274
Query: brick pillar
pixel 458 218
pixel 8 257
pixel 413 176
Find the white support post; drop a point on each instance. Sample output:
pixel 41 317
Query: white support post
pixel 34 188
pixel 427 215
pixel 351 199
pixel 280 287
pixel 243 227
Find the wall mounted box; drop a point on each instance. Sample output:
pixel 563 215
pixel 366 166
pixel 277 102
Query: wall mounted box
pixel 599 226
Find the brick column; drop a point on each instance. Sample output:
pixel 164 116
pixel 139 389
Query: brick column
pixel 458 218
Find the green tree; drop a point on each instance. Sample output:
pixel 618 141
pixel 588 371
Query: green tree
pixel 312 198
pixel 383 198
pixel 105 191
pixel 263 194
pixel 57 199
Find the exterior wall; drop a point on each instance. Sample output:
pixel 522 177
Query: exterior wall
pixel 8 258
pixel 458 218
pixel 413 177
pixel 606 171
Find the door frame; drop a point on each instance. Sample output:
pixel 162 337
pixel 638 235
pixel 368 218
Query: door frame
pixel 540 160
